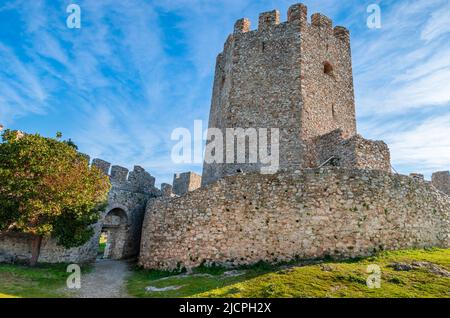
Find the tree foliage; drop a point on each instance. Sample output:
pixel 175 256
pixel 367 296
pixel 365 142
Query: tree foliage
pixel 48 189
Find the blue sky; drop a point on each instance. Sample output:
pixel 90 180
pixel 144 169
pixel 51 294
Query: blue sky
pixel 136 70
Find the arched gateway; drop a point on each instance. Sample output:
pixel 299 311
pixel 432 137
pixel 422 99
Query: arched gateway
pixel 114 231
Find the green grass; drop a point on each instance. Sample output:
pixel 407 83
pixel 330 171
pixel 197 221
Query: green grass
pixel 101 248
pixel 43 281
pixel 327 279
pixel 102 244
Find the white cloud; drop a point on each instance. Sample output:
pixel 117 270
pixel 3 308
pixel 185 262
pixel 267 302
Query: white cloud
pixel 429 91
pixel 126 90
pixel 23 91
pixel 436 62
pixel 425 147
pixel 438 24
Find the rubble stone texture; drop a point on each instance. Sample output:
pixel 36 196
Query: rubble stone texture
pixel 295 76
pixel 122 220
pixel 310 214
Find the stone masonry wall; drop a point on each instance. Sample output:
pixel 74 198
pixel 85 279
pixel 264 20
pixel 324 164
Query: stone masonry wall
pixel 370 155
pixel 17 248
pixel 129 194
pixel 308 214
pixel 353 152
pixel 295 76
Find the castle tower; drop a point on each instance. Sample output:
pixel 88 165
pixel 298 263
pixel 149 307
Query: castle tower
pixel 295 76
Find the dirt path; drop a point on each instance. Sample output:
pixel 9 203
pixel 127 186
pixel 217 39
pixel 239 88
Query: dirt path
pixel 107 280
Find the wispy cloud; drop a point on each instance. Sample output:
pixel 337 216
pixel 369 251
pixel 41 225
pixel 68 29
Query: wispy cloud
pixel 22 92
pixel 438 24
pixel 426 146
pixel 138 69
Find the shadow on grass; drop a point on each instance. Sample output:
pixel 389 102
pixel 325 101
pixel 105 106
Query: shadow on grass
pixel 207 278
pixel 315 278
pixel 42 281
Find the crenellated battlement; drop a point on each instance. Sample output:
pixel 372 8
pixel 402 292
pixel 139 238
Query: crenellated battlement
pixel 297 16
pixel 102 165
pixel 119 174
pixel 342 34
pixel 242 26
pixel 137 180
pixel 268 20
pixel 321 21
pixel 167 190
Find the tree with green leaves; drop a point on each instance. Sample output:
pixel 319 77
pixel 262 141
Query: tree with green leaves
pixel 48 189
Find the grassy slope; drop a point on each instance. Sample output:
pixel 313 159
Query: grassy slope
pixel 328 279
pixel 45 281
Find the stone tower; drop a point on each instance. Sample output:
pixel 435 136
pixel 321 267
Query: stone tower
pixel 295 76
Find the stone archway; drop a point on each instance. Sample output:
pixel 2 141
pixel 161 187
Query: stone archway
pixel 115 227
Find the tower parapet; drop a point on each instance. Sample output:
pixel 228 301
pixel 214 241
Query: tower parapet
pixel 298 14
pixel 268 20
pixel 242 26
pixel 119 174
pixel 137 180
pixel 342 34
pixel 321 21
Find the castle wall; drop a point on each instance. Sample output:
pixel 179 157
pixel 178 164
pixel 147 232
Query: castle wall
pixel 17 248
pixel 370 155
pixel 129 193
pixel 354 152
pixel 308 214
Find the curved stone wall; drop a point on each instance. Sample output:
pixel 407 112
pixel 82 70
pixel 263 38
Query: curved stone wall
pixel 309 214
